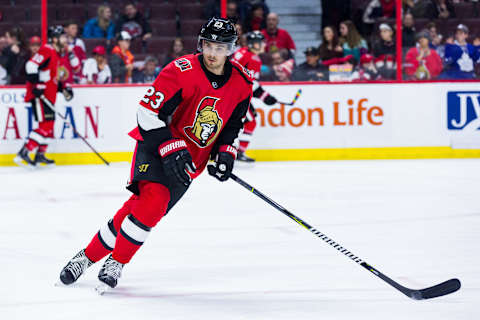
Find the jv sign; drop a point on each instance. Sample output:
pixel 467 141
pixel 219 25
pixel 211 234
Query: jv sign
pixel 463 110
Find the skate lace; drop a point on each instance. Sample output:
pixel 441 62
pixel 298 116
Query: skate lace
pixel 78 265
pixel 113 268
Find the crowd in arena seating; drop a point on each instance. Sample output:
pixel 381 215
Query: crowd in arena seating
pixel 125 44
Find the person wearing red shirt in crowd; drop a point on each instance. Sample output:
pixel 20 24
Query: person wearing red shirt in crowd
pixel 34 45
pixel 249 58
pixel 70 67
pixel 277 38
pixel 423 62
pixel 77 46
pixel 42 84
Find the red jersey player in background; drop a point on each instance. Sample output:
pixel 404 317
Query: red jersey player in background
pixel 191 113
pixel 42 82
pixel 250 59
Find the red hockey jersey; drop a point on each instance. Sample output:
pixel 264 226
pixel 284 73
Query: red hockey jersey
pixel 195 107
pixel 44 63
pixel 249 60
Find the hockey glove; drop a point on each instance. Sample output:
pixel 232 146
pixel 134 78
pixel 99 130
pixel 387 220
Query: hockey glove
pixel 269 100
pixel 224 163
pixel 66 90
pixel 68 93
pixel 38 90
pixel 177 161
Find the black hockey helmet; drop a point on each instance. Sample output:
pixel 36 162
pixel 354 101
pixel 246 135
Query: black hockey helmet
pixel 254 37
pixel 218 30
pixel 55 32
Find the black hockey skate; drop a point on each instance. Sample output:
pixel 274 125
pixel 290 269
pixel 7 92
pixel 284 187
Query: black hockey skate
pixel 75 268
pixel 23 159
pixel 40 158
pixel 109 274
pixel 244 158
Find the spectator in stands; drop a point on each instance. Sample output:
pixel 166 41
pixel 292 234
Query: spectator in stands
pixel 276 38
pixel 366 70
pixel 460 56
pixel 149 72
pixel 334 12
pixel 408 31
pixel 96 69
pixel 377 9
pixel 440 9
pixel 255 19
pixel 134 23
pixel 75 44
pixel 242 39
pixel 312 69
pixel 14 56
pixel 121 60
pixel 232 11
pixel 212 9
pixel 176 51
pixel 386 44
pixel 435 37
pixel 417 8
pixel 330 47
pixel 423 62
pixel 70 67
pixel 351 41
pixel 281 66
pixel 102 26
pixel 34 45
pixel 245 7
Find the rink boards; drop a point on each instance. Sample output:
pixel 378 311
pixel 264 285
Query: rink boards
pixel 328 121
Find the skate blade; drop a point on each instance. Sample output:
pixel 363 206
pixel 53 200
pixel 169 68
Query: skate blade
pixel 20 162
pixel 101 289
pixel 45 166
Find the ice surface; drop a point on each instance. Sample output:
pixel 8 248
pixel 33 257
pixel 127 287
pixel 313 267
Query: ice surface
pixel 222 253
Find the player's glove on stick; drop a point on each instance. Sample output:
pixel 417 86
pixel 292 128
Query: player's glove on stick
pixel 38 90
pixel 269 100
pixel 177 161
pixel 66 90
pixel 224 163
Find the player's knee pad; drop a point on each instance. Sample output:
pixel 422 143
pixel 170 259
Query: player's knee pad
pixel 152 203
pixel 249 126
pixel 134 231
pixel 124 211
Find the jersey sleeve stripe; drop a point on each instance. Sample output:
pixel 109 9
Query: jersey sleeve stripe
pixel 148 119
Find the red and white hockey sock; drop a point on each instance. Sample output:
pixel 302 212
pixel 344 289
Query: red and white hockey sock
pixel 132 235
pixel 148 209
pixel 104 241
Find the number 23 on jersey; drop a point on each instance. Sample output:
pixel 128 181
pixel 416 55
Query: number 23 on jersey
pixel 153 98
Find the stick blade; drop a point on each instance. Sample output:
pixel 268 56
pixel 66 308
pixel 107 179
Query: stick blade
pixel 438 290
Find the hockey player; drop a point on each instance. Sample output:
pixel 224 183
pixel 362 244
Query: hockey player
pixel 250 59
pixel 193 111
pixel 42 83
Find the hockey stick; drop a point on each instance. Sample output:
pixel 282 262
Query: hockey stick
pixel 438 290
pixel 49 104
pixel 297 95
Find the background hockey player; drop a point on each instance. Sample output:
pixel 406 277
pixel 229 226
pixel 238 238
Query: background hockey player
pixel 42 69
pixel 193 111
pixel 250 59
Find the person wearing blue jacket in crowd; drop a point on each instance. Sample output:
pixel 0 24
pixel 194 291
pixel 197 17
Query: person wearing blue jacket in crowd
pixel 101 26
pixel 461 56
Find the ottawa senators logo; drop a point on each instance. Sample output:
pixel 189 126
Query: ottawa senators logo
pixel 207 123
